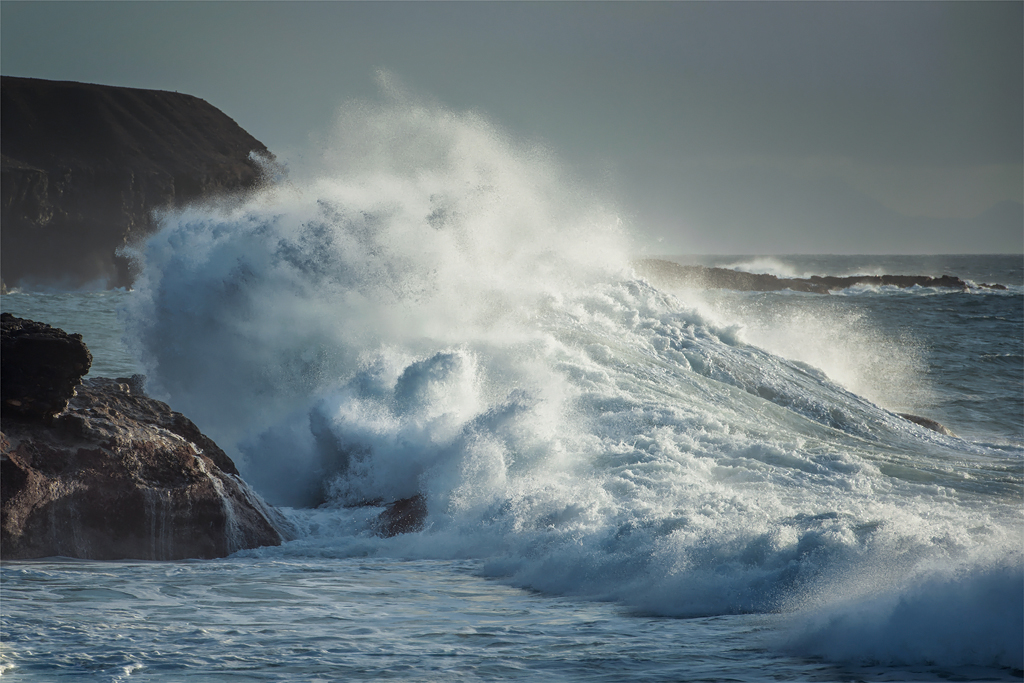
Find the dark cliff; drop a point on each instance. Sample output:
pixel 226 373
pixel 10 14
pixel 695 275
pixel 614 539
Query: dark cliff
pixel 84 166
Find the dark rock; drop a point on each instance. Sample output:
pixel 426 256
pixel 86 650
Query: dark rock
pixel 702 277
pixel 403 516
pixel 119 475
pixel 40 366
pixel 904 281
pixel 927 423
pixel 84 166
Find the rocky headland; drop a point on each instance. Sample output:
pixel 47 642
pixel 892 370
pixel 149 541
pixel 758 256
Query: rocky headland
pixel 84 166
pixel 95 469
pixel 704 277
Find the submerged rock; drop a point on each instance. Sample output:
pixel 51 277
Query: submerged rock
pixel 118 475
pixel 927 423
pixel 402 516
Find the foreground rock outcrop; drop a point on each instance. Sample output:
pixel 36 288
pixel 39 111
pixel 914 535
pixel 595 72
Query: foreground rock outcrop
pixel 703 277
pixel 83 166
pixel 119 475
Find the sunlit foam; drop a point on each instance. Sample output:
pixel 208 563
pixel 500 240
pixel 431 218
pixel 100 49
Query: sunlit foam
pixel 438 310
pixel 887 369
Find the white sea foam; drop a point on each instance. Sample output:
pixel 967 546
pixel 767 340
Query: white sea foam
pixel 440 311
pixel 884 367
pixel 951 619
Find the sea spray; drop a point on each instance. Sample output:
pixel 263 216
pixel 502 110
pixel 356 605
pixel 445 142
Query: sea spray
pixel 430 228
pixel 441 312
pixel 885 367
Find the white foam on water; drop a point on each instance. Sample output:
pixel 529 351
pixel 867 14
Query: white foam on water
pixel 441 311
pixel 886 368
pixel 952 619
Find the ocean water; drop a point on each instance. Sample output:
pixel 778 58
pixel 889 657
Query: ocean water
pixel 623 481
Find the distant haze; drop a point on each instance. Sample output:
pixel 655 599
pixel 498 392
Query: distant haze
pixel 735 127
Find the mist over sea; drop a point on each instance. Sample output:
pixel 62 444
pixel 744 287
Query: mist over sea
pixel 623 481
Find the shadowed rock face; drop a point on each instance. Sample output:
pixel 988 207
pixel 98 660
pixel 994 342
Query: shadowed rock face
pixel 928 423
pixel 113 474
pixel 40 367
pixel 83 167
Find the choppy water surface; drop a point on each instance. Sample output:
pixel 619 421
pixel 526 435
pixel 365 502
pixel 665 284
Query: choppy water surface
pixel 91 314
pixel 622 482
pixel 366 619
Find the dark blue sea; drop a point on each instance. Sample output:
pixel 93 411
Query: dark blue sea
pixel 624 481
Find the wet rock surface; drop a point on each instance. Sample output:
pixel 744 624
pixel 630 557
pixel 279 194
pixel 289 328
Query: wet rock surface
pixel 402 516
pixel 119 475
pixel 703 277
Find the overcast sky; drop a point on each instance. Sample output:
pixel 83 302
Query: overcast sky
pixel 731 128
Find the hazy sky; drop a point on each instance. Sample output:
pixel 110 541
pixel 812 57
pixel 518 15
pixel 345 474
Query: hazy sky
pixel 775 127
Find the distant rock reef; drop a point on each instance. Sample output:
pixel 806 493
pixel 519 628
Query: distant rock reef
pixel 703 277
pixel 84 166
pixel 97 470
